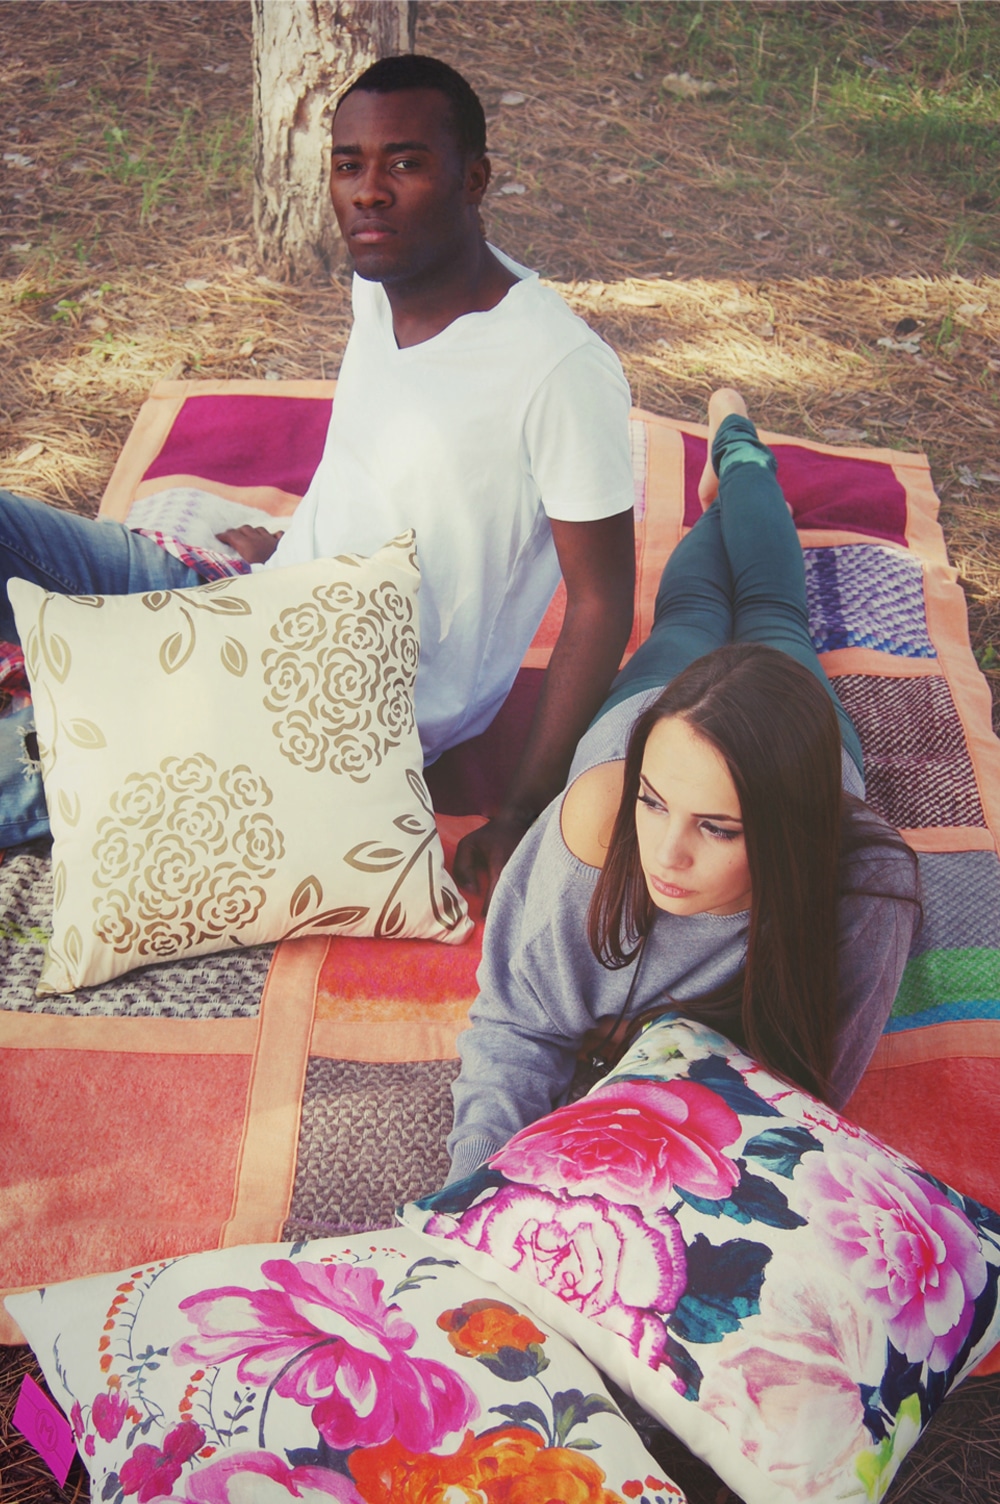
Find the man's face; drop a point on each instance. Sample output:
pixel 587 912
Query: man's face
pixel 404 195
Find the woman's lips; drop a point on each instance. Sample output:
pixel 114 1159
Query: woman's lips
pixel 669 890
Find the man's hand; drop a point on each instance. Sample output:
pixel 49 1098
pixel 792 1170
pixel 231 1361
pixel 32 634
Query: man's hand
pixel 481 856
pixel 255 544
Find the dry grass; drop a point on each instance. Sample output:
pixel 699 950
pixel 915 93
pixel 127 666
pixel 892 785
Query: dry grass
pixel 760 236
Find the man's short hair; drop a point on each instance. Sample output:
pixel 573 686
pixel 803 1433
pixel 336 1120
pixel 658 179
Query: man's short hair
pixel 390 75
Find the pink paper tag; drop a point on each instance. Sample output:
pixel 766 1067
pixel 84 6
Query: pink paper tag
pixel 45 1426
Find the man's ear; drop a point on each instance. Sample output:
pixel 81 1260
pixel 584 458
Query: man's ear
pixel 477 178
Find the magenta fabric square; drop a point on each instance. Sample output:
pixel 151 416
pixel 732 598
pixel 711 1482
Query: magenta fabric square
pixel 828 491
pixel 245 440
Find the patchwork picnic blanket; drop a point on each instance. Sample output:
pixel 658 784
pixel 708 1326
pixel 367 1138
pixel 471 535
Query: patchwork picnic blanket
pixel 303 1088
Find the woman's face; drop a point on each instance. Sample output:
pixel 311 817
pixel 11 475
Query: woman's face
pixel 688 821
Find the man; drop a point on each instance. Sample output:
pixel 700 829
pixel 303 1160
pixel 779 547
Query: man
pixel 472 406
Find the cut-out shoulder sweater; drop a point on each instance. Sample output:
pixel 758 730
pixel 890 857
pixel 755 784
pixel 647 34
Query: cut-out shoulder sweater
pixel 542 989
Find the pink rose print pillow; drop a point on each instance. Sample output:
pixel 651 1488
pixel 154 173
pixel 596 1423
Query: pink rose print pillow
pixel 338 1371
pixel 790 1297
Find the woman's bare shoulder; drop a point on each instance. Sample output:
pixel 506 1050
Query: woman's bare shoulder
pixel 589 810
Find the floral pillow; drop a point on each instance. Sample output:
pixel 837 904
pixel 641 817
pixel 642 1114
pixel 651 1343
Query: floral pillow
pixel 233 764
pixel 789 1296
pixel 365 1371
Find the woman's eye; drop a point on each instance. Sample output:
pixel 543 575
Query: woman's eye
pixel 720 832
pixel 650 802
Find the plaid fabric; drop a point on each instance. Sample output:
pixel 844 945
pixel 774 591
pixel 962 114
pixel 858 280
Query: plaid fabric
pixel 12 675
pixel 204 561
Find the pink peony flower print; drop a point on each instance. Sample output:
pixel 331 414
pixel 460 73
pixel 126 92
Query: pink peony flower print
pixel 603 1261
pixel 265 1479
pixel 108 1414
pixel 632 1143
pixel 786 1386
pixel 324 1337
pixel 900 1240
pixel 151 1472
pixel 76 1418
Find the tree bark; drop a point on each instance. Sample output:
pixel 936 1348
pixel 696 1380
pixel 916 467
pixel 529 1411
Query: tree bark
pixel 304 53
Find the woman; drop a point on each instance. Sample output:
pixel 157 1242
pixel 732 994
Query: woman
pixel 711 853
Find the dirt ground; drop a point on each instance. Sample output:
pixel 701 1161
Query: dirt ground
pixel 759 224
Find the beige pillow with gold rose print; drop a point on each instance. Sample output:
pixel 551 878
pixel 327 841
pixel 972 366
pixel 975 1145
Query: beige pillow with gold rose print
pixel 234 764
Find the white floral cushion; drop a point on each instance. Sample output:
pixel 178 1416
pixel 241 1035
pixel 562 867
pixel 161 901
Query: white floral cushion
pixel 232 764
pixel 362 1370
pixel 789 1296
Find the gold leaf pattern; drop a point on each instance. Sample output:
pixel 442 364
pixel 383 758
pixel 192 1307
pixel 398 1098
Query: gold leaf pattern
pixel 58 883
pixel 221 605
pixel 181 857
pixel 85 734
pixel 69 806
pixel 155 600
pixel 339 681
pixel 308 893
pixel 178 647
pixel 376 858
pixel 234 657
pixel 73 943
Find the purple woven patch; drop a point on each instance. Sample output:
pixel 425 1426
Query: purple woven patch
pixel 864 596
pixel 828 491
pixel 918 773
pixel 244 440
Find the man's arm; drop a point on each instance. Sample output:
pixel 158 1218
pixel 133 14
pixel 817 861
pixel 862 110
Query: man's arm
pixel 598 567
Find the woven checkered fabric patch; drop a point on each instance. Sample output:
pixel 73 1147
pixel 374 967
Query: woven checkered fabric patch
pixel 372 1136
pixel 917 770
pixel 864 596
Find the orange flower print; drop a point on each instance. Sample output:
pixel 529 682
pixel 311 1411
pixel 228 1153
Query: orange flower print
pixel 511 1465
pixel 482 1327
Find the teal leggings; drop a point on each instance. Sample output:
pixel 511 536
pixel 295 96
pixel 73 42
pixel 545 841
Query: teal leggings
pixel 737 576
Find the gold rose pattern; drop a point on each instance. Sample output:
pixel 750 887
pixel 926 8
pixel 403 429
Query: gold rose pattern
pixel 339 680
pixel 182 856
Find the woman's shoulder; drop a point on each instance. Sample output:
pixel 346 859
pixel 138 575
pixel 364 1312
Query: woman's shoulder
pixel 875 857
pixel 588 812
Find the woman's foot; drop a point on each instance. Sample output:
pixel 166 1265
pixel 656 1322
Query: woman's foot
pixel 721 404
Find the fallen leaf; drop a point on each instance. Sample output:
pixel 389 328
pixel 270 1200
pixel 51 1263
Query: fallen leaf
pixel 966 477
pixel 247 347
pixel 667 234
pixel 512 96
pixel 617 177
pixel 991 476
pixel 970 310
pixel 272 375
pixel 908 346
pixel 31 453
pixel 513 188
pixel 838 435
pixel 18 159
pixel 765 330
pixel 175 372
pixel 686 87
pixel 196 284
pixel 761 234
pixel 665 344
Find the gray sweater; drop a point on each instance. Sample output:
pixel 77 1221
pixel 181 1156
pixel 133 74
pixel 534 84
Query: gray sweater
pixel 542 988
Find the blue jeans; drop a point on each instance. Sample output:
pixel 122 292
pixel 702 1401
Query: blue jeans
pixel 69 555
pixel 737 576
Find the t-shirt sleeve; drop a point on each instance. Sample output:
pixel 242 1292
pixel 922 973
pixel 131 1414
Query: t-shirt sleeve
pixel 577 436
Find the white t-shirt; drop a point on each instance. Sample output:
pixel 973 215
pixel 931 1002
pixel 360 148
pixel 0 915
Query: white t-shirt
pixel 474 439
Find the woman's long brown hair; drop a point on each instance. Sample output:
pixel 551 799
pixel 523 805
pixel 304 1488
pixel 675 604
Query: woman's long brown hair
pixel 777 731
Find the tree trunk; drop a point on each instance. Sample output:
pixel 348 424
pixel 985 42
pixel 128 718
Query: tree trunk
pixel 304 52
